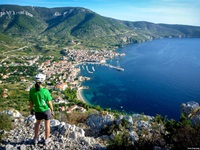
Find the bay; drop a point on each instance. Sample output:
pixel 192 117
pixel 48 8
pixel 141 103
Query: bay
pixel 158 77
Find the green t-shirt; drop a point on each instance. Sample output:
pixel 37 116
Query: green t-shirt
pixel 40 99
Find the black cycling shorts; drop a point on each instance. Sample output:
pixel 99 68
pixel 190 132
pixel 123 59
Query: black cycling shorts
pixel 43 115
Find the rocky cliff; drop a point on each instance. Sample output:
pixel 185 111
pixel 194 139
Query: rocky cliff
pixel 66 136
pixel 99 129
pixel 192 111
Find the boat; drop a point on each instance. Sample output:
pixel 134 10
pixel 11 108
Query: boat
pixel 88 70
pixel 93 68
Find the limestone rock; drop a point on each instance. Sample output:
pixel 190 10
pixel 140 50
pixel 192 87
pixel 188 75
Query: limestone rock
pixel 129 119
pixel 81 132
pixel 96 122
pixel 195 119
pixel 141 124
pixel 54 122
pixel 23 147
pixel 188 107
pixel 13 113
pixel 30 119
pixel 8 147
pixel 64 136
pixel 141 117
pixel 73 135
pixel 67 136
pixel 119 119
pixel 192 111
pixel 134 136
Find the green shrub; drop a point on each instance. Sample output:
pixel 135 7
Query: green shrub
pixel 159 119
pixel 5 124
pixel 185 121
pixel 121 141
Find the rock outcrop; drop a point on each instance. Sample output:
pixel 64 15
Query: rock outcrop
pixel 97 122
pixel 67 136
pixel 192 111
pixel 95 134
pixel 63 135
pixel 12 113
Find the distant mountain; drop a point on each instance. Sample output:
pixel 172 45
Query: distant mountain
pixel 76 25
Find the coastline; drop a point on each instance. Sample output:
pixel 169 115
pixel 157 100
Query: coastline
pixel 79 95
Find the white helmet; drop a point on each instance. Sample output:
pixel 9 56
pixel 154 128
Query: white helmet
pixel 39 77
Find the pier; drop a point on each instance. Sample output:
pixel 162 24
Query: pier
pixel 98 63
pixel 117 68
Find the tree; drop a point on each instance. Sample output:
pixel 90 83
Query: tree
pixel 184 121
pixel 70 94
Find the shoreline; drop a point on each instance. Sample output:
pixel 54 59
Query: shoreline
pixel 79 95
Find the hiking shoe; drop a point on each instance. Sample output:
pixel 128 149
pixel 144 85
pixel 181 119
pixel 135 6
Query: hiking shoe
pixel 35 141
pixel 47 141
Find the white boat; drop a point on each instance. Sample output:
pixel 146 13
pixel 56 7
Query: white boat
pixel 88 70
pixel 93 68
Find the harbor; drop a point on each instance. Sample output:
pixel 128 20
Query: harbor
pixel 84 66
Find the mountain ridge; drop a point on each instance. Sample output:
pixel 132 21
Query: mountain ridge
pixel 64 25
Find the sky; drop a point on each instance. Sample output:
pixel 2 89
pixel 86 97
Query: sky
pixel 186 12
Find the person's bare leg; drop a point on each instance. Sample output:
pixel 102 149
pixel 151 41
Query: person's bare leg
pixel 47 129
pixel 37 128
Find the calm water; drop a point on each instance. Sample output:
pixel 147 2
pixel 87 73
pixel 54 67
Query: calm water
pixel 158 77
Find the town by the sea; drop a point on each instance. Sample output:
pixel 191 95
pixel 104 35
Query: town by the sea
pixel 158 77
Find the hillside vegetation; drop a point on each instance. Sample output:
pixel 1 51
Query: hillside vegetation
pixel 79 28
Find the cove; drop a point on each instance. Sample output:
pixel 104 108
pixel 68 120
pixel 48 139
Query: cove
pixel 158 77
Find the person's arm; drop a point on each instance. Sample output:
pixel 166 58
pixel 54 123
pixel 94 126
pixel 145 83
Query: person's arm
pixel 51 107
pixel 49 102
pixel 31 105
pixel 31 108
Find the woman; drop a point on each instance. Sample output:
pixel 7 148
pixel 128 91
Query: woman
pixel 40 103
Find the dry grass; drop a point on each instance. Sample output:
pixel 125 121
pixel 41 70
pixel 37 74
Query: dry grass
pixel 73 118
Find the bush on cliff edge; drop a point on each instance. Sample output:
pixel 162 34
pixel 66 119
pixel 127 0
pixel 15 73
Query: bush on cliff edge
pixel 5 124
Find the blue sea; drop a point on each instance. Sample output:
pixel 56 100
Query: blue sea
pixel 158 77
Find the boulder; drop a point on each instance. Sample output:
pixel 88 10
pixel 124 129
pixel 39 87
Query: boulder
pixel 81 132
pixel 141 117
pixel 8 147
pixel 195 119
pixel 134 136
pixel 54 122
pixel 192 111
pixel 129 119
pixel 141 124
pixel 13 113
pixel 187 108
pixel 61 126
pixel 22 147
pixel 30 119
pixel 65 129
pixel 96 122
pixel 73 135
pixel 73 128
pixel 119 119
pixel 85 140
